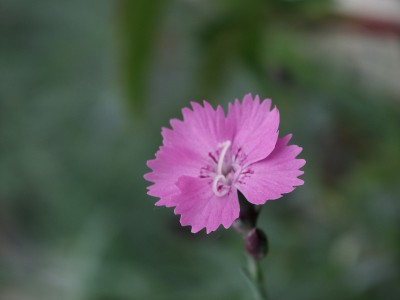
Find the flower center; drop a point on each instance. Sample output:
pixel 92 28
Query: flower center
pixel 224 168
pixel 221 172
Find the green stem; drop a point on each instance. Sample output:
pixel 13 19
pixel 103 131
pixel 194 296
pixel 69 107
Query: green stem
pixel 256 278
pixel 256 246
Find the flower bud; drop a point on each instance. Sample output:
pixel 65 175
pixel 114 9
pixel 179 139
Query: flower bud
pixel 256 244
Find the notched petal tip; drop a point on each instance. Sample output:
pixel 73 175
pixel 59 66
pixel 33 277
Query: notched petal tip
pixel 209 230
pixel 175 122
pixel 275 113
pixel 194 228
pixel 165 203
pixel 184 221
pixel 196 106
pixel 301 162
pixel 201 209
pixel 220 110
pixel 148 176
pixel 207 105
pixel 150 163
pixel 165 130
pixel 286 139
pixel 248 97
pixel 267 103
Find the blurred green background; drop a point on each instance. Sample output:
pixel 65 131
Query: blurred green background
pixel 85 87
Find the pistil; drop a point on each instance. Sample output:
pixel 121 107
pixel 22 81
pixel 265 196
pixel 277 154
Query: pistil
pixel 219 176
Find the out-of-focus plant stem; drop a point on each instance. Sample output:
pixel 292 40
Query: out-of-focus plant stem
pixel 256 278
pixel 139 24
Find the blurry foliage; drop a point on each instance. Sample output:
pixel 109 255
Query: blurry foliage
pixel 139 21
pixel 238 32
pixel 75 221
pixel 227 32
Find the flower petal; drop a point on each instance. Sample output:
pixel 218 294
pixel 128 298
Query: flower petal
pixel 186 149
pixel 201 130
pixel 170 164
pixel 256 127
pixel 200 208
pixel 273 176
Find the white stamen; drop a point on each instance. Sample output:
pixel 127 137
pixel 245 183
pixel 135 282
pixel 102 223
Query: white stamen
pixel 225 146
pixel 215 186
pixel 237 169
pixel 219 176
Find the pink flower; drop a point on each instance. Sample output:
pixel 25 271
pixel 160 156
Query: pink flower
pixel 206 158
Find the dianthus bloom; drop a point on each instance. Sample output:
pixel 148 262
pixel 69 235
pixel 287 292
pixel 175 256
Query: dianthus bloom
pixel 208 157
